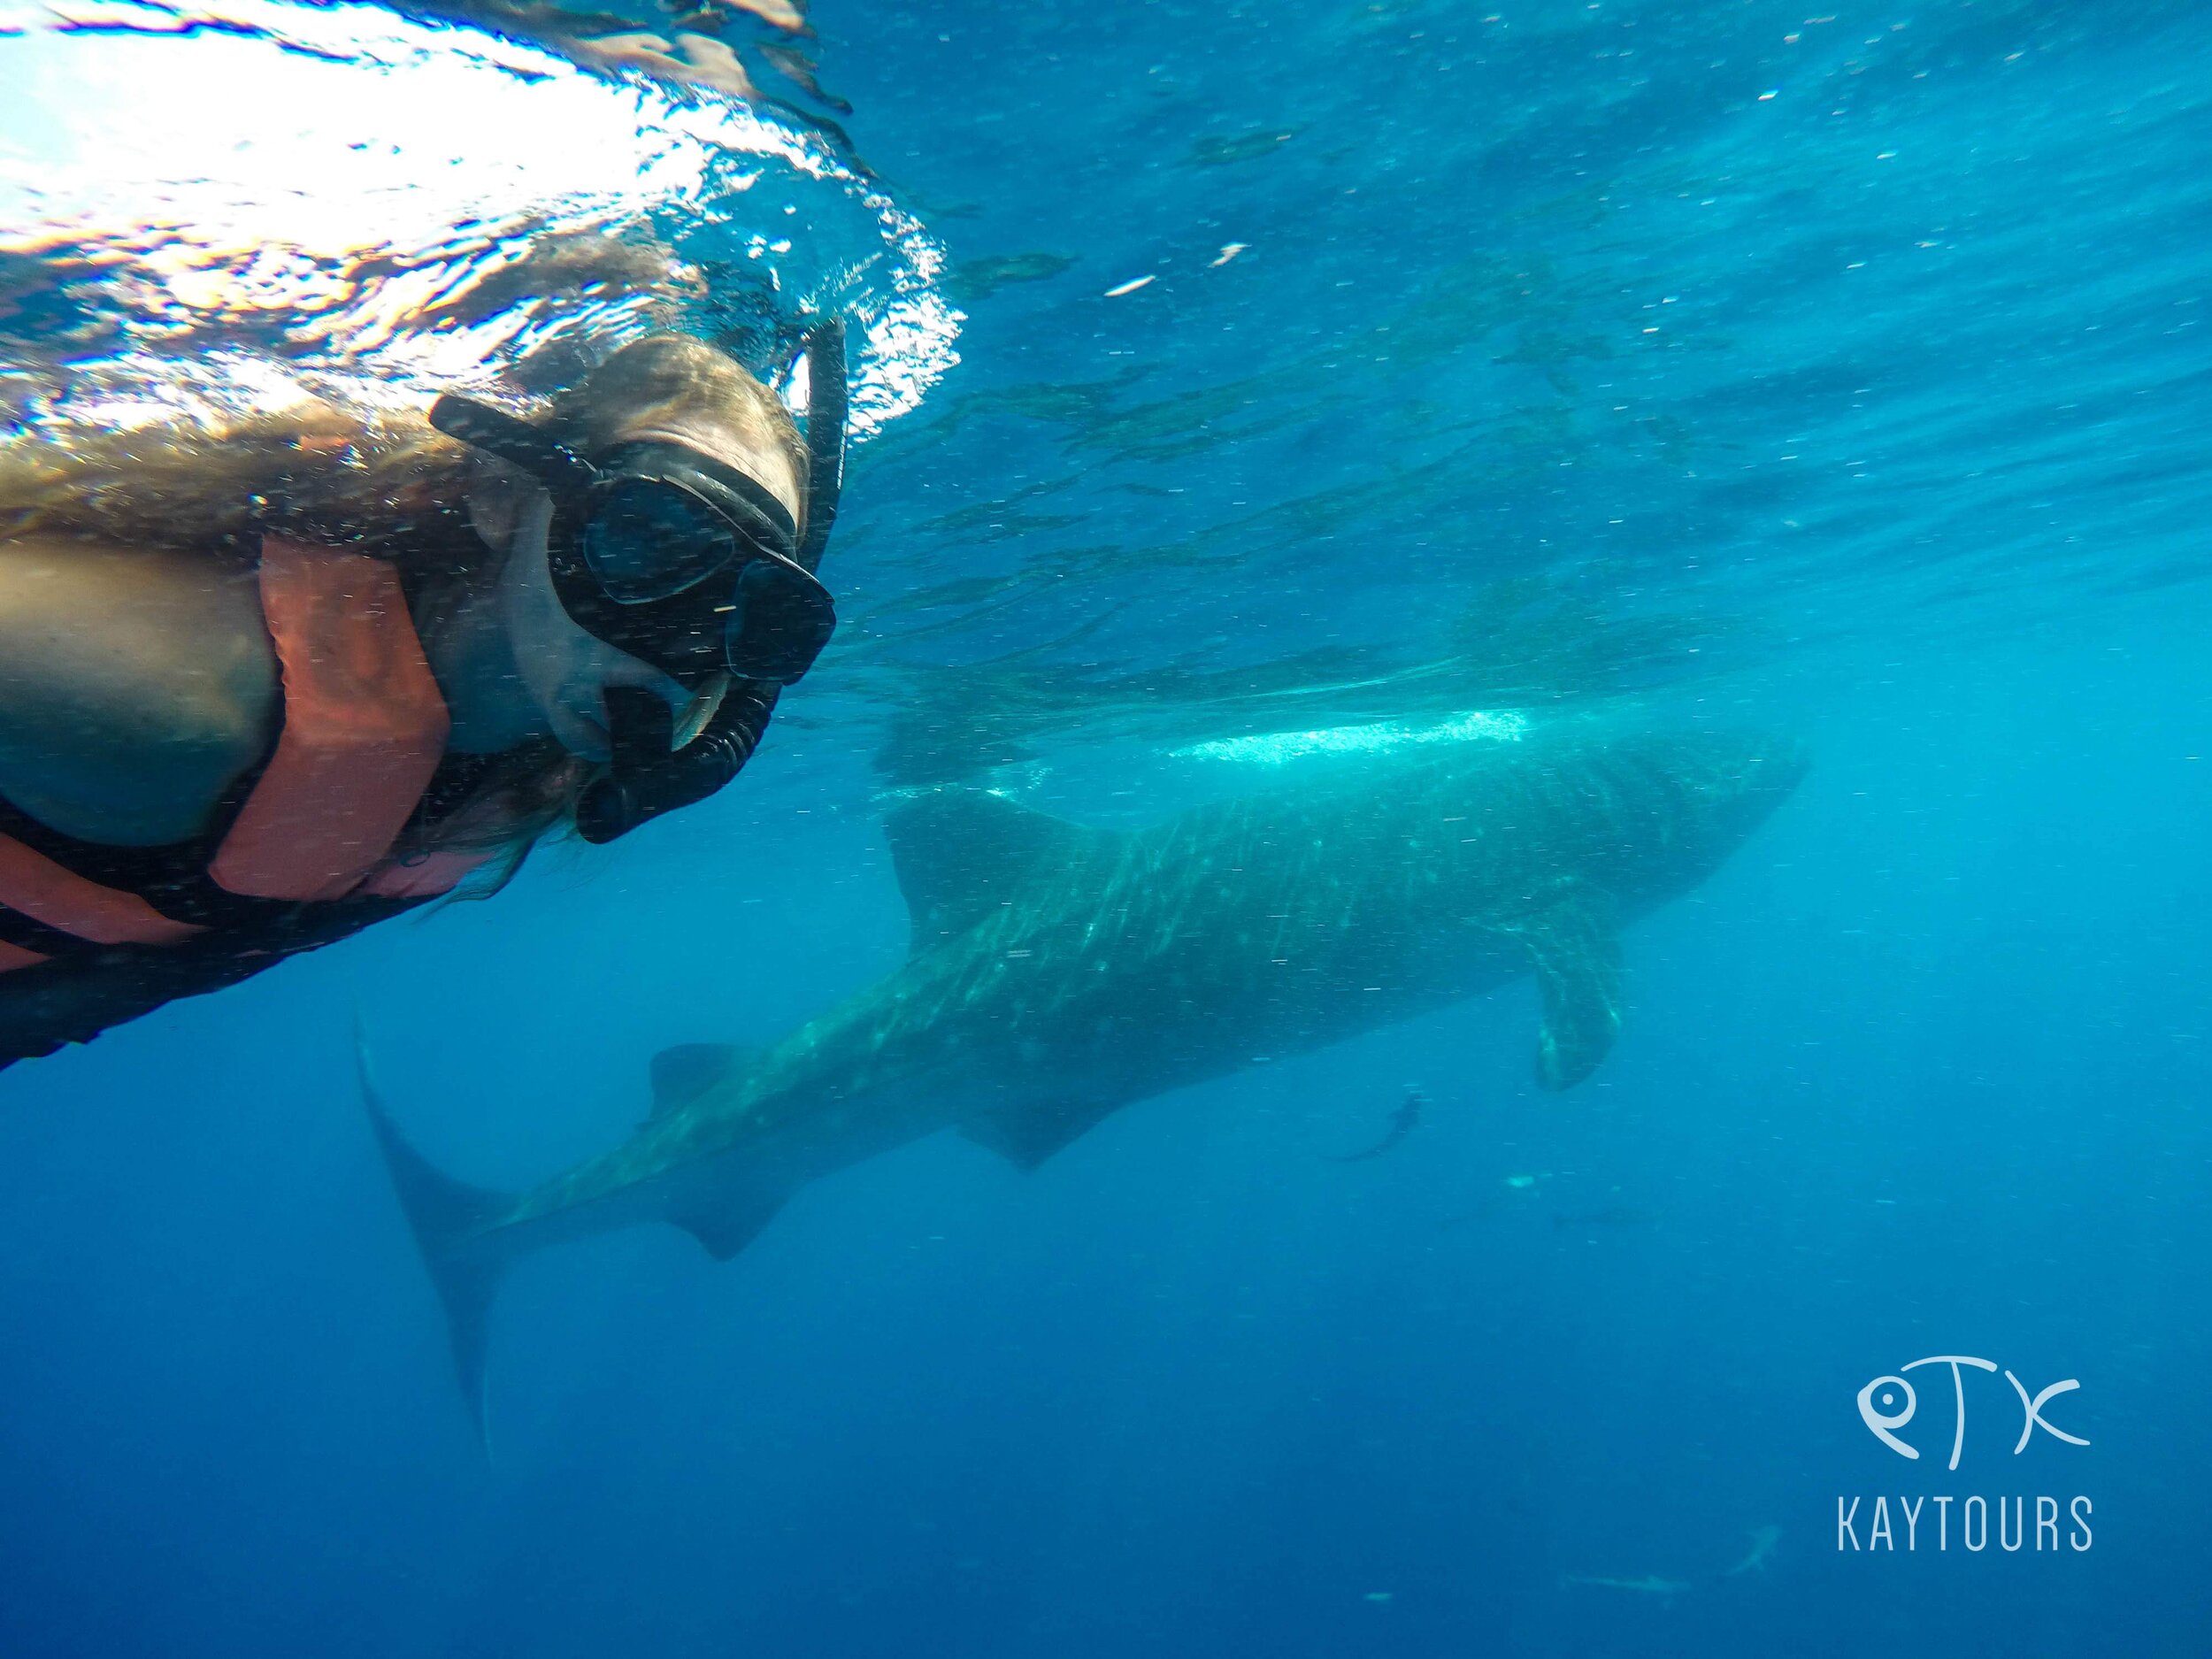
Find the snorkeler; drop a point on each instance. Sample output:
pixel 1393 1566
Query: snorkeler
pixel 263 686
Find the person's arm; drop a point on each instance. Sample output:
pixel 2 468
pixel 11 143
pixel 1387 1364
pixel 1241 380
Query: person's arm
pixel 54 1003
pixel 73 1000
pixel 134 687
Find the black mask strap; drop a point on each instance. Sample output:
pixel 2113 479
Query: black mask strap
pixel 518 442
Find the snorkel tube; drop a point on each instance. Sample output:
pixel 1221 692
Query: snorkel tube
pixel 645 780
pixel 824 436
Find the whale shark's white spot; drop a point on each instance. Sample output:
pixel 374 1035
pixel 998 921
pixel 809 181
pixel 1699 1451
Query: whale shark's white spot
pixel 1276 749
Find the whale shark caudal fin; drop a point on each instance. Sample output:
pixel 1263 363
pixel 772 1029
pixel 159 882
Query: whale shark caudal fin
pixel 961 855
pixel 446 1217
pixel 1577 956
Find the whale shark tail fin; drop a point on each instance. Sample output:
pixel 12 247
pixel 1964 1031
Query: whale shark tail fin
pixel 447 1218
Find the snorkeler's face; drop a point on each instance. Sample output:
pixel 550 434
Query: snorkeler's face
pixel 566 671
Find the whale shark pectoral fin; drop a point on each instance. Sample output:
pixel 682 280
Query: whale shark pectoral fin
pixel 683 1074
pixel 1578 960
pixel 959 855
pixel 1028 1134
pixel 731 1221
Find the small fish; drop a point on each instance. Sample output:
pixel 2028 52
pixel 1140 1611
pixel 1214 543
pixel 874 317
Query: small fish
pixel 1130 287
pixel 979 279
pixel 1403 1122
pixel 1214 150
pixel 1229 250
pixel 1650 1584
pixel 1763 1539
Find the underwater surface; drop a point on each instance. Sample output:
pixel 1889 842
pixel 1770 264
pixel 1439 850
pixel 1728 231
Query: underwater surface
pixel 1247 399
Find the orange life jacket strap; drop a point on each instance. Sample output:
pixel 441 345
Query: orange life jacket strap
pixel 365 728
pixel 38 887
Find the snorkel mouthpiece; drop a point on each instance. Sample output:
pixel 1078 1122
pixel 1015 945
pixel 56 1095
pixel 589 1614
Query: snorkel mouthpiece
pixel 646 780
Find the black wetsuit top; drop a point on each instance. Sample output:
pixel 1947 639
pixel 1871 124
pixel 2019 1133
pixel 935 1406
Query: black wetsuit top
pixel 87 987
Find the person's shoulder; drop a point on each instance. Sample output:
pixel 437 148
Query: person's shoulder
pixel 135 685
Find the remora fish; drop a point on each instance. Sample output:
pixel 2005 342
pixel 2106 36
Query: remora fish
pixel 1403 1122
pixel 1650 1584
pixel 1059 972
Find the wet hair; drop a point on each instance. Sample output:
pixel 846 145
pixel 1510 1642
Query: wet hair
pixel 323 468
pixel 345 470
pixel 666 378
pixel 341 471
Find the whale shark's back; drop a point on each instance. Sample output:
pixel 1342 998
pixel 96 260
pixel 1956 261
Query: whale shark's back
pixel 1642 813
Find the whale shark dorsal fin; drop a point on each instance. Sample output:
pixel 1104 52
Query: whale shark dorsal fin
pixel 683 1074
pixel 1026 1135
pixel 1577 953
pixel 961 855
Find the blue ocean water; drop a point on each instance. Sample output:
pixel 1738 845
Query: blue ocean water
pixel 1840 375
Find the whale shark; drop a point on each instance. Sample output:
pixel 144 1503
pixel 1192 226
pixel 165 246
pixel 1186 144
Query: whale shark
pixel 1059 972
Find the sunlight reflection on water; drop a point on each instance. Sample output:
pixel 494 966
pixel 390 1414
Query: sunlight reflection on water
pixel 200 205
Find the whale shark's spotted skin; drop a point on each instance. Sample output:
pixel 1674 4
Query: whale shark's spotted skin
pixel 1058 972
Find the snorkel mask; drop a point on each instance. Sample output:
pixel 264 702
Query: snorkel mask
pixel 675 557
pixel 688 565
